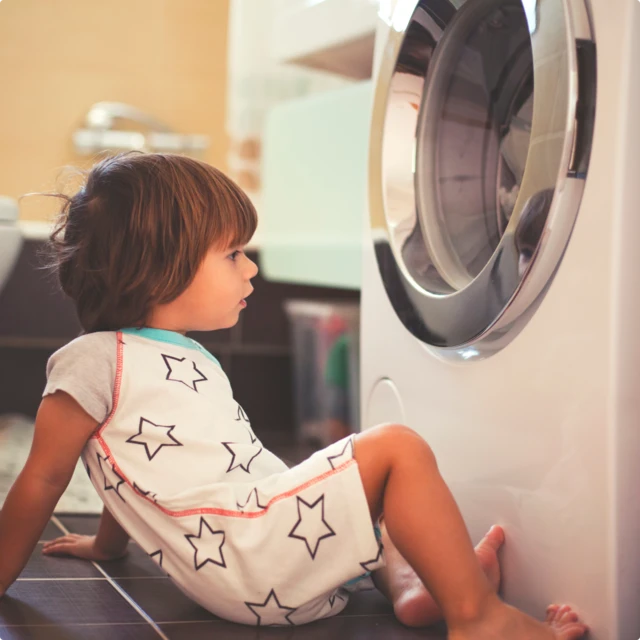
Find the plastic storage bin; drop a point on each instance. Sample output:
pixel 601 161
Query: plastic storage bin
pixel 325 341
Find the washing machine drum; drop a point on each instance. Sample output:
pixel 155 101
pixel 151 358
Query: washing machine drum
pixel 480 141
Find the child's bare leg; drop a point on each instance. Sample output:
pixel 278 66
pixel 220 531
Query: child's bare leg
pixel 413 605
pixel 400 477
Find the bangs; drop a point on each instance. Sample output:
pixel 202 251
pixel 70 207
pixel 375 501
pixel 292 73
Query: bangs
pixel 228 216
pixel 236 226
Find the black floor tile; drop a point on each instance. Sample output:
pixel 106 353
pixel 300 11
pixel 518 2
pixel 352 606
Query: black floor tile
pixel 50 532
pixel 86 525
pixel 163 601
pixel 384 627
pixel 136 564
pixel 215 629
pixel 38 602
pixel 50 567
pixel 131 631
pixel 361 628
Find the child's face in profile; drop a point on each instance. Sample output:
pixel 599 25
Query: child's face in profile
pixel 214 298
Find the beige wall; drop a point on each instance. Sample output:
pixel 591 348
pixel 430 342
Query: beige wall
pixel 58 57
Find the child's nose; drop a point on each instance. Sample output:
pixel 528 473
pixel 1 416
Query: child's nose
pixel 252 268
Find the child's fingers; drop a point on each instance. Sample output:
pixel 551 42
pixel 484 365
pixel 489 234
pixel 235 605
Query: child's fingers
pixel 52 543
pixel 63 544
pixel 60 547
pixel 67 537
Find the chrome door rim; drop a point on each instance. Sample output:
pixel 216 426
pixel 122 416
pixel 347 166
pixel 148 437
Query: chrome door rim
pixel 484 315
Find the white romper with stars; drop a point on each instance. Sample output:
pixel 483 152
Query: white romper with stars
pixel 176 462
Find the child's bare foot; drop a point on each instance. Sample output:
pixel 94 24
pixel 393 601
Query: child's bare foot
pixel 413 605
pixel 505 623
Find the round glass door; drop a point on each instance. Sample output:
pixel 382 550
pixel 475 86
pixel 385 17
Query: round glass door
pixel 480 142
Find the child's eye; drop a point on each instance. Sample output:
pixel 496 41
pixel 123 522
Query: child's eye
pixel 235 254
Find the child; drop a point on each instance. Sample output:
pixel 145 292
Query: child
pixel 150 249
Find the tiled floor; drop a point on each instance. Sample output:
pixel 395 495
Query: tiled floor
pixel 132 599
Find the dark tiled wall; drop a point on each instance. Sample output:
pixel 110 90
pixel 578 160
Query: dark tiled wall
pixel 36 319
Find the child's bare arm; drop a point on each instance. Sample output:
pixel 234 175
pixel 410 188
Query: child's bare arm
pixel 112 539
pixel 61 431
pixel 110 542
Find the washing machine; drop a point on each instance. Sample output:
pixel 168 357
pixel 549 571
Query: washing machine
pixel 501 281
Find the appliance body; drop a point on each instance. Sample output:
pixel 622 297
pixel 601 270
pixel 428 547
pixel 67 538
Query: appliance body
pixel 501 281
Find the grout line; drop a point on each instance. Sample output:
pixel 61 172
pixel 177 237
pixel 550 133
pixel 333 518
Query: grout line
pixel 67 579
pixel 91 578
pixel 117 587
pixel 76 624
pixel 58 524
pixel 197 621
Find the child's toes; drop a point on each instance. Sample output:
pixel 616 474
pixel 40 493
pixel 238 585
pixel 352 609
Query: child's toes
pixel 569 616
pixel 552 612
pixel 562 611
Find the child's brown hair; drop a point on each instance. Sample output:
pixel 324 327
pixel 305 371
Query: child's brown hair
pixel 137 231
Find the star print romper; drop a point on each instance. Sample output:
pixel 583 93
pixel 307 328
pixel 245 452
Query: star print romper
pixel 176 462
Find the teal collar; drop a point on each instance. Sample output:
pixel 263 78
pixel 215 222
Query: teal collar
pixel 171 337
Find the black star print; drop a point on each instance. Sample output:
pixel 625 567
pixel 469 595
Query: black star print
pixel 87 469
pixel 252 494
pixel 151 439
pixel 344 456
pixel 110 475
pixel 159 558
pixel 216 539
pixel 314 528
pixel 272 613
pixel 181 371
pixel 369 565
pixel 242 415
pixel 245 453
pixel 147 494
pixel 332 598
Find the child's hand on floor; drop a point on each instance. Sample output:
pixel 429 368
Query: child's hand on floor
pixel 78 546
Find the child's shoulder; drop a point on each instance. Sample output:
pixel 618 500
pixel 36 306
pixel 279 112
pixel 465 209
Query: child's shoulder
pixel 87 341
pixel 85 368
pixel 87 346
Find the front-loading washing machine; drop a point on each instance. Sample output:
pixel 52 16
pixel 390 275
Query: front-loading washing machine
pixel 501 281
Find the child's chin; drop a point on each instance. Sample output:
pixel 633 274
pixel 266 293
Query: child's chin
pixel 227 323
pixel 231 322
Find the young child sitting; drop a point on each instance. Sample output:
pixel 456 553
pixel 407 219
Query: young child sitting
pixel 152 248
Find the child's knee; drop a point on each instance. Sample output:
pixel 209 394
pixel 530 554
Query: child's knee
pixel 396 440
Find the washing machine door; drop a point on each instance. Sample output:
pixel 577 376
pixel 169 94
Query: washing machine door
pixel 480 142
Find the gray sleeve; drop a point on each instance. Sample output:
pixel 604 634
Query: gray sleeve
pixel 86 370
